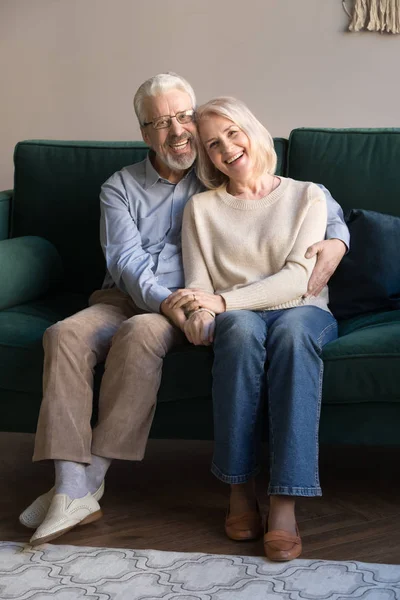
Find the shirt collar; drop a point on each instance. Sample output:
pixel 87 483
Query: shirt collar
pixel 151 175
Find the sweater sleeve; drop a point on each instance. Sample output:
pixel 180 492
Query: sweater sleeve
pixel 194 264
pixel 290 283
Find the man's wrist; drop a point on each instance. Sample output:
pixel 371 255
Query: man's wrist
pixel 337 239
pixel 341 234
pixel 164 309
pixel 202 309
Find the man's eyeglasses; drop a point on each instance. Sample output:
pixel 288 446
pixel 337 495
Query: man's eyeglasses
pixel 184 116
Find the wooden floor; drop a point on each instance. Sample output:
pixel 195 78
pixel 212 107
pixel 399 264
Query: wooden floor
pixel 172 502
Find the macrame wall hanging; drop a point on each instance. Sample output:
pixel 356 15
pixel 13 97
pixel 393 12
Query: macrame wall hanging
pixel 374 15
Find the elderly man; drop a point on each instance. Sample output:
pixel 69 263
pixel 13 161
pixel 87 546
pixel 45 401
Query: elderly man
pixel 128 323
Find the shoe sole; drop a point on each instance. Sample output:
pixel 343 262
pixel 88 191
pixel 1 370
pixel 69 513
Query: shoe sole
pixel 52 536
pixel 283 559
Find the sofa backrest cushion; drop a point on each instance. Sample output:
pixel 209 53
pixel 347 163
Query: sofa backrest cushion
pixel 368 277
pixel 57 187
pixel 360 167
pixel 56 196
pixel 5 202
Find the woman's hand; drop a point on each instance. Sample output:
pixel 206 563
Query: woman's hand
pixel 193 298
pixel 199 328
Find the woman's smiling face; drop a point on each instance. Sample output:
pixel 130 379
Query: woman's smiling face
pixel 227 146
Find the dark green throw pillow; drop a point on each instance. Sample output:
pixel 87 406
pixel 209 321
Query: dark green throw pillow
pixel 368 278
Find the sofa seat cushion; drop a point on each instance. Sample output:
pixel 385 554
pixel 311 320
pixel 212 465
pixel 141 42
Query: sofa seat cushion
pixel 21 332
pixel 362 365
pixel 186 373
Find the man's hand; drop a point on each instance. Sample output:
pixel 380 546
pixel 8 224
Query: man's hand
pixel 176 315
pixel 192 299
pixel 199 328
pixel 329 254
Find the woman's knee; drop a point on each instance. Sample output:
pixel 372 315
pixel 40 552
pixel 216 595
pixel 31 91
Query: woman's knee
pixel 302 326
pixel 240 326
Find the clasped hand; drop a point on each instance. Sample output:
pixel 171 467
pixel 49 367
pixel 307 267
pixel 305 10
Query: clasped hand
pixel 199 326
pixel 191 299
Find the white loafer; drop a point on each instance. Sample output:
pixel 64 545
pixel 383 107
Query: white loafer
pixel 33 516
pixel 64 514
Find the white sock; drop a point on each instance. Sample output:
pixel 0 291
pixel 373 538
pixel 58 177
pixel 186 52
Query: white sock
pixel 96 471
pixel 70 478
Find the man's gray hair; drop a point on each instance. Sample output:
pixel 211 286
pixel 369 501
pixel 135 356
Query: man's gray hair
pixel 157 85
pixel 261 142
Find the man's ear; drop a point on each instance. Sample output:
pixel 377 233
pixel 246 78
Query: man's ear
pixel 145 137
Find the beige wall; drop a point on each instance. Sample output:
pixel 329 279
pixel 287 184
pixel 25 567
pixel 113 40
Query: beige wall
pixel 69 68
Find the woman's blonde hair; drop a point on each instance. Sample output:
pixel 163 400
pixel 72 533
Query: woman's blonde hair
pixel 261 142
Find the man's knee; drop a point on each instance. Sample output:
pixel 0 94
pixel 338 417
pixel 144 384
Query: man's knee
pixel 62 332
pixel 146 332
pixel 78 336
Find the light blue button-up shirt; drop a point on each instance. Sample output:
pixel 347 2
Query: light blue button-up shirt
pixel 140 231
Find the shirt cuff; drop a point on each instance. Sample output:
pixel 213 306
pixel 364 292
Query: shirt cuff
pixel 156 297
pixel 338 232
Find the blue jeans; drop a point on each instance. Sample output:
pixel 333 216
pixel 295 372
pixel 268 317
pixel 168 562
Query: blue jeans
pixel 272 356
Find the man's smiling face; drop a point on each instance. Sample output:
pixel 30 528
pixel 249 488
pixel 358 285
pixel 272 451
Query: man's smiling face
pixel 175 145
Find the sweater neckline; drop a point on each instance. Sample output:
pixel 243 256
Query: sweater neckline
pixel 243 204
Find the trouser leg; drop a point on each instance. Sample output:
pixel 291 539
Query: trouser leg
pixel 72 349
pixel 238 381
pixel 130 384
pixel 294 380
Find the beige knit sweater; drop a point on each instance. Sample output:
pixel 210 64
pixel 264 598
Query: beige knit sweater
pixel 252 251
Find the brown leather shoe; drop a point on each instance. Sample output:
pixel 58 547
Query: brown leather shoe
pixel 281 545
pixel 244 527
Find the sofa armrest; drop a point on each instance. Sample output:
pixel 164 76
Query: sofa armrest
pixel 5 210
pixel 30 266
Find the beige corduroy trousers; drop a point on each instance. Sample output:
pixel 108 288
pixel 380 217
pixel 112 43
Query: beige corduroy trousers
pixel 133 344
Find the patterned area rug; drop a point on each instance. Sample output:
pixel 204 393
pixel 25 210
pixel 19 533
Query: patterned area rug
pixel 80 573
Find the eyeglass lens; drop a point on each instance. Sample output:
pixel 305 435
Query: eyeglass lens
pixel 182 118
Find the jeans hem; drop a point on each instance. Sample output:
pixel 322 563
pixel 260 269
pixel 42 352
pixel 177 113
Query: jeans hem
pixel 232 479
pixel 283 490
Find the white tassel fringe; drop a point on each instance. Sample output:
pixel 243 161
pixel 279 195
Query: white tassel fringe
pixel 376 15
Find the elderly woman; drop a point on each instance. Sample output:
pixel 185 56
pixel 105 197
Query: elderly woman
pixel 244 245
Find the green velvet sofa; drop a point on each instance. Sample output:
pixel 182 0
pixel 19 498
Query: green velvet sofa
pixel 51 260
